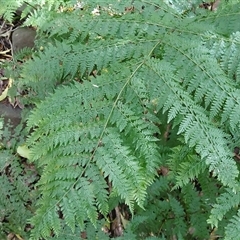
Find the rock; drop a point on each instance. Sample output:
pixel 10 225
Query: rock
pixel 23 37
pixel 21 9
pixel 10 114
pixel 26 8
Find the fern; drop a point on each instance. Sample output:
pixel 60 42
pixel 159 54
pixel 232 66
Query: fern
pixel 118 118
pixel 103 134
pixel 186 165
pixel 130 173
pixel 17 197
pixel 9 7
pixel 232 229
pixel 198 128
pixel 182 214
pixel 225 202
pixel 17 178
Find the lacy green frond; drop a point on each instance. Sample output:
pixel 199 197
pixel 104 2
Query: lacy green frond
pixel 16 183
pixel 170 214
pixel 199 132
pixel 209 85
pixel 9 7
pixel 71 144
pixel 208 186
pixel 186 166
pixel 224 23
pixel 197 220
pixel 232 229
pixel 225 202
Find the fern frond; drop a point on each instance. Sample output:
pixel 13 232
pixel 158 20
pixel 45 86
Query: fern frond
pixel 207 83
pixel 197 133
pixel 209 186
pixel 78 60
pixel 225 50
pixel 232 229
pixel 85 191
pixel 9 7
pixel 16 183
pixel 198 217
pixel 64 148
pixel 187 167
pixel 225 202
pixel 102 36
pixel 223 22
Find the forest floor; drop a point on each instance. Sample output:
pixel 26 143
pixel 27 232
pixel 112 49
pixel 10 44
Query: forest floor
pixel 8 109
